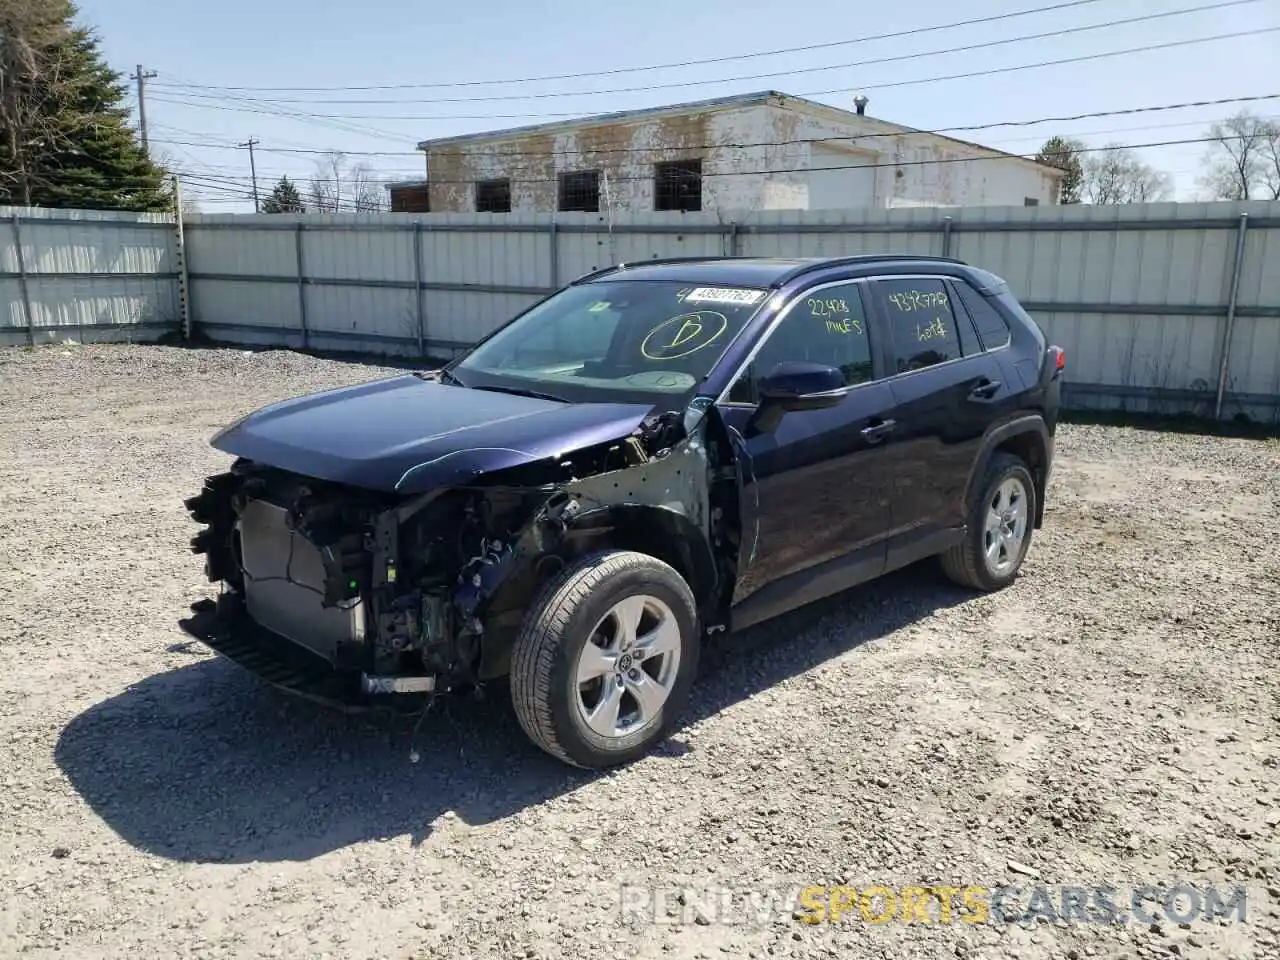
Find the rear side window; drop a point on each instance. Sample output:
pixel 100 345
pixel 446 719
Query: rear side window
pixel 991 326
pixel 921 321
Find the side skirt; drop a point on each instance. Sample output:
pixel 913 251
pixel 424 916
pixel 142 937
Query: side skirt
pixel 805 586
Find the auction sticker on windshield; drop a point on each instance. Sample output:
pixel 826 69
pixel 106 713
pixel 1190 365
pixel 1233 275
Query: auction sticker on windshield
pixel 723 295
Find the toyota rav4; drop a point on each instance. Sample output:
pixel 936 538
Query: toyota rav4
pixel 657 452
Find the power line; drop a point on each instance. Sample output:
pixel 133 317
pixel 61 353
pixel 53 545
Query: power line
pixel 296 175
pixel 233 189
pixel 894 164
pixel 681 63
pixel 896 58
pixel 818 93
pixel 966 128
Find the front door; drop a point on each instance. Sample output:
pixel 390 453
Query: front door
pixel 815 487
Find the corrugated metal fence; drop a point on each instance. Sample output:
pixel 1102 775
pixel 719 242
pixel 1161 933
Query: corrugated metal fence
pixel 87 275
pixel 1145 298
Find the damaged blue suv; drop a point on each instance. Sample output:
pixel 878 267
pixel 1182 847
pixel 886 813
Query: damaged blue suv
pixel 656 452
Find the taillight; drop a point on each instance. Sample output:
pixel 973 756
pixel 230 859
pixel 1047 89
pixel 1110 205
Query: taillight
pixel 1058 358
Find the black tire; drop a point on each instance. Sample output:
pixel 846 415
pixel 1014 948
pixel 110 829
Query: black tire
pixel 557 627
pixel 966 563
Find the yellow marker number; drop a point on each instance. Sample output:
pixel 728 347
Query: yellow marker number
pixel 909 301
pixel 834 313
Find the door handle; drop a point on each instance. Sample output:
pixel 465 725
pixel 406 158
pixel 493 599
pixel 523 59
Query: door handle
pixel 878 431
pixel 985 390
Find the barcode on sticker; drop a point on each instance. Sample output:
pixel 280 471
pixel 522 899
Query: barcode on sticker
pixel 723 295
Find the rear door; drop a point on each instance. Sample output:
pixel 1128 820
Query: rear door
pixel 946 390
pixel 816 486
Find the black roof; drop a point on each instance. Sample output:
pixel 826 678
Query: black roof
pixel 748 271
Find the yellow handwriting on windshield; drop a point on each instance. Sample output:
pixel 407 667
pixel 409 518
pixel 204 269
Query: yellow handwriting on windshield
pixel 681 335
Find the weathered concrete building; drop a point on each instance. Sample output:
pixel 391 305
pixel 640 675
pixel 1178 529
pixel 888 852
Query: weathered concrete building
pixel 760 151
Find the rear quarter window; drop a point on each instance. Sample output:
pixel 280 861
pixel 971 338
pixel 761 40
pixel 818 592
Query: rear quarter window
pixel 991 326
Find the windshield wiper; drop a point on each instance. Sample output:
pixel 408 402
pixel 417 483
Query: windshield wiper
pixel 519 392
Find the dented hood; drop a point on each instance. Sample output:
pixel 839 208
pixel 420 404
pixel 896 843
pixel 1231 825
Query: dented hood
pixel 408 435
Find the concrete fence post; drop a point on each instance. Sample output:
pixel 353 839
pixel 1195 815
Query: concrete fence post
pixel 22 280
pixel 184 284
pixel 1229 326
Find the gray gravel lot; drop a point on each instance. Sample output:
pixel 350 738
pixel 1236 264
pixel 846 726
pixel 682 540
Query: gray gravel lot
pixel 1111 720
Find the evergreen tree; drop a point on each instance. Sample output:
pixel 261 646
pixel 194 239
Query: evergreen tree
pixel 283 198
pixel 65 139
pixel 1064 153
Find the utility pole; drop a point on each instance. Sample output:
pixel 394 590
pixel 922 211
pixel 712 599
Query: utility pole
pixel 142 76
pixel 253 171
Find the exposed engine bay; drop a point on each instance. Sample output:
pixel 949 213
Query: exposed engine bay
pixel 426 592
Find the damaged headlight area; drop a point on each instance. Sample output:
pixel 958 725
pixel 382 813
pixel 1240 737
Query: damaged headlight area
pixel 347 594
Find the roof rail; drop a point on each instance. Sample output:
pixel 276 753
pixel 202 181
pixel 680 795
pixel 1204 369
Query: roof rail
pixel 857 258
pixel 604 271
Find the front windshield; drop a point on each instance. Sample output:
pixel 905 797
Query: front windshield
pixel 614 340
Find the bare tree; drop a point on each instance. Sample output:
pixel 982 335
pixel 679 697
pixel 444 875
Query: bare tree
pixel 1242 161
pixel 1270 174
pixel 366 190
pixel 1116 175
pixel 324 195
pixel 337 186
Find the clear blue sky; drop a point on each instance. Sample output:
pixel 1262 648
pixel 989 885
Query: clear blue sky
pixel 291 43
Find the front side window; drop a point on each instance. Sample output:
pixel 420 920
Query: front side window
pixel 615 340
pixel 921 321
pixel 827 326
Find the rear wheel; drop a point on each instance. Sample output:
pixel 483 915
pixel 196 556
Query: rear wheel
pixel 999 528
pixel 605 658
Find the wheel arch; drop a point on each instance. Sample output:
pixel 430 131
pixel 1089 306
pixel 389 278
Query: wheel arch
pixel 1028 439
pixel 659 532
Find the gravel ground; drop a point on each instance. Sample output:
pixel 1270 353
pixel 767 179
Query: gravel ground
pixel 1109 720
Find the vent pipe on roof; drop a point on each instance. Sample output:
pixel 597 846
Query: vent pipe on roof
pixel 860 104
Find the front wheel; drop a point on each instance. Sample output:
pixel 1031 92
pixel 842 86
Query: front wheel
pixel 605 658
pixel 999 528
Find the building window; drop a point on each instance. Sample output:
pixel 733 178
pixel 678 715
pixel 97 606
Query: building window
pixel 677 185
pixel 493 196
pixel 415 199
pixel 1030 202
pixel 580 191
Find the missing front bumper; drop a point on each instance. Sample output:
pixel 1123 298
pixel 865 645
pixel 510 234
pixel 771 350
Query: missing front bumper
pixel 226 627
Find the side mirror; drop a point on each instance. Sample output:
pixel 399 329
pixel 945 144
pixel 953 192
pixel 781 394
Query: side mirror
pixel 794 385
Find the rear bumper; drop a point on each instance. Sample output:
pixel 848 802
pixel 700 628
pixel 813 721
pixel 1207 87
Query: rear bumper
pixel 225 626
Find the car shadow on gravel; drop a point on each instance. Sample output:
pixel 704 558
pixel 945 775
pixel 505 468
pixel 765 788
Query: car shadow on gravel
pixel 206 764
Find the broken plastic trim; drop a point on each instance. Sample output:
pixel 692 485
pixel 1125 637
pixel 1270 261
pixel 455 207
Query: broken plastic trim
pixel 384 685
